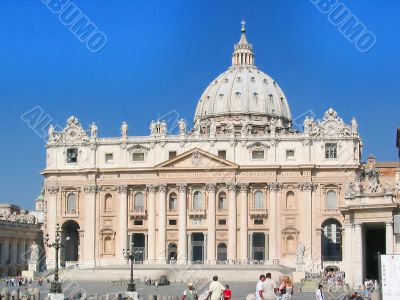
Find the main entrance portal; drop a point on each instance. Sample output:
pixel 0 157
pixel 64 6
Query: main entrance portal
pixel 198 247
pixel 374 243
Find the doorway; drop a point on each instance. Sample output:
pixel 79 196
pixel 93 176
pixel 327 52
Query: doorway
pixel 139 242
pixel 374 242
pixel 198 247
pixel 258 246
pixel 70 251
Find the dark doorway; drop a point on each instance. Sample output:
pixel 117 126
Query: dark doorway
pixel 374 242
pixel 259 246
pixel 198 247
pixel 70 251
pixel 138 241
pixel 331 240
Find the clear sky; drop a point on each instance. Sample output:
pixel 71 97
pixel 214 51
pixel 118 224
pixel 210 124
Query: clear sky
pixel 161 55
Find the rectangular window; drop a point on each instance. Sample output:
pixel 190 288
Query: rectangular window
pixel 109 157
pixel 222 154
pixel 172 222
pixel 138 222
pixel 289 154
pixel 257 154
pixel 72 155
pixel 138 156
pixel 331 150
pixel 171 154
pixel 258 221
pixel 221 222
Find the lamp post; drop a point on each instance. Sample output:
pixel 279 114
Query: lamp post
pixel 131 255
pixel 55 286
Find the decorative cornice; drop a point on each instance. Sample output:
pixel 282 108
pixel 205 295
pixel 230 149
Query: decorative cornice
pixel 122 189
pixel 52 190
pixel 151 188
pixel 182 187
pixel 91 189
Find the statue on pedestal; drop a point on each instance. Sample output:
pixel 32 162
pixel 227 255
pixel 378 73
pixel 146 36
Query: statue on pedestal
pixel 93 130
pixel 300 250
pixel 124 129
pixel 182 126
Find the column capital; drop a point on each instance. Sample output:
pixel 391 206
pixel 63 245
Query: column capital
pixel 211 187
pixel 91 189
pixel 232 187
pixel 151 188
pixel 122 189
pixel 243 187
pixel 52 190
pixel 388 223
pixel 162 188
pixel 308 186
pixel 274 186
pixel 182 187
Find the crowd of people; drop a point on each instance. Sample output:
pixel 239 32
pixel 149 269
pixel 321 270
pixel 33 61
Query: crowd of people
pixel 266 289
pixel 21 282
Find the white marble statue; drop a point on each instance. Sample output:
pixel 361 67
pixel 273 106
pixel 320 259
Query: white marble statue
pixel 163 127
pixel 93 130
pixel 300 250
pixel 354 126
pixel 182 126
pixel 124 129
pixel 51 133
pixel 153 127
pixel 34 257
pixel 213 128
pixel 308 125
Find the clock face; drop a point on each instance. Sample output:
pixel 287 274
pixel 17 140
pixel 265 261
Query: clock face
pixel 331 127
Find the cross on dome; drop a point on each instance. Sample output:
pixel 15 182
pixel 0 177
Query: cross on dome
pixel 243 26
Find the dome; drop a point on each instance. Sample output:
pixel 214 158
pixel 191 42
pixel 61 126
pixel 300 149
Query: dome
pixel 243 93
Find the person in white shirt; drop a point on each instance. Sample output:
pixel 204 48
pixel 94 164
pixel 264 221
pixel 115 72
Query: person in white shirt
pixel 268 288
pixel 259 286
pixel 216 289
pixel 319 295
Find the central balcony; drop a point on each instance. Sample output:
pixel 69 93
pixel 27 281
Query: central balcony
pixel 138 213
pixel 258 212
pixel 197 212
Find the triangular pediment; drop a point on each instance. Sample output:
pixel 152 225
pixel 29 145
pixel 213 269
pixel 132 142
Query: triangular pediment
pixel 197 159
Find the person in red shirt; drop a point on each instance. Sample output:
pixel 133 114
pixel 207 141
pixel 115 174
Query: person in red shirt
pixel 227 293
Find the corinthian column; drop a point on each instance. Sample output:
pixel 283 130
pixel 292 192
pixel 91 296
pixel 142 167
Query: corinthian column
pixel 232 223
pixel 306 229
pixel 123 220
pixel 358 255
pixel 151 221
pixel 211 223
pixel 243 221
pixel 389 238
pixel 182 239
pixel 273 236
pixel 51 197
pixel 90 226
pixel 162 221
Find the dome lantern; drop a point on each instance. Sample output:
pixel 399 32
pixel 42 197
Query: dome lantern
pixel 243 51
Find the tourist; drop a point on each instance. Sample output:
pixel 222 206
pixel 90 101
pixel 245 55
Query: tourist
pixel 319 295
pixel 268 288
pixel 227 294
pixel 189 293
pixel 216 289
pixel 288 290
pixel 259 286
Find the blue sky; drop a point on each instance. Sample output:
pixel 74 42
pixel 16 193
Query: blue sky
pixel 160 56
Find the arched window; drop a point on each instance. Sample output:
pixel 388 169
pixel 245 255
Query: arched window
pixel 331 200
pixel 138 204
pixel 290 200
pixel 197 200
pixel 258 199
pixel 173 202
pixel 222 252
pixel 71 203
pixel 108 205
pixel 222 204
pixel 331 240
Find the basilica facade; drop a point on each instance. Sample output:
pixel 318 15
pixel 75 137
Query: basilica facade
pixel 242 186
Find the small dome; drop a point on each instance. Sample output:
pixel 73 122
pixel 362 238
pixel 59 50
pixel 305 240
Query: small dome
pixel 243 90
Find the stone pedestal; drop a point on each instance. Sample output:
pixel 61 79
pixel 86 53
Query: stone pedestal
pixel 133 295
pixel 300 272
pixel 33 270
pixel 52 296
